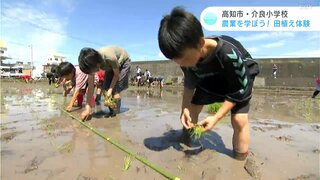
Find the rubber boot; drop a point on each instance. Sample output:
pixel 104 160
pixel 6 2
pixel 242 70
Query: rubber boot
pixel 98 98
pixel 112 113
pixel 118 103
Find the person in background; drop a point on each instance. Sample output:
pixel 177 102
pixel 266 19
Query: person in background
pixel 51 78
pixel 27 78
pixel 274 71
pixel 138 75
pixel 160 81
pixel 317 90
pixel 147 74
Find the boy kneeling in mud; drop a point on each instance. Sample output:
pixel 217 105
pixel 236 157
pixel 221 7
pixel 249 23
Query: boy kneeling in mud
pixel 216 69
pixel 79 81
pixel 116 63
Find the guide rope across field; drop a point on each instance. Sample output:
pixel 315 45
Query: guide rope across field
pixel 124 149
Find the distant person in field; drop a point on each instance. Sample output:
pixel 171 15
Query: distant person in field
pixel 51 78
pixel 147 73
pixel 317 90
pixel 26 78
pixel 138 75
pixel 160 81
pixel 52 75
pixel 274 71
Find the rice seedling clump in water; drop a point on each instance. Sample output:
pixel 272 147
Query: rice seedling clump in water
pixel 110 103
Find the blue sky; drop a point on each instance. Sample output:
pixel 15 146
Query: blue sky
pixel 66 26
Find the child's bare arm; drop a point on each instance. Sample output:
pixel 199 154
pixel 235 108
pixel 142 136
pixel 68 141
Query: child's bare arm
pixel 211 121
pixel 90 91
pixel 185 117
pixel 224 109
pixel 116 74
pixel 73 99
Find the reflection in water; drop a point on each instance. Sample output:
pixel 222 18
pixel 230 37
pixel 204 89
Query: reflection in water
pixel 155 93
pixel 28 103
pixel 30 110
pixel 281 106
pixel 285 108
pixel 143 94
pixel 37 112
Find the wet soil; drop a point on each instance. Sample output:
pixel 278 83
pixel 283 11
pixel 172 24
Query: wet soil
pixel 39 141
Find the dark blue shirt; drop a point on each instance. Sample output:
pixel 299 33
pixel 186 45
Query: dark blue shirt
pixel 224 72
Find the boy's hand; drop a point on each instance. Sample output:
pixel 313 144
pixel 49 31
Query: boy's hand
pixel 69 108
pixel 186 119
pixel 109 93
pixel 209 122
pixel 85 113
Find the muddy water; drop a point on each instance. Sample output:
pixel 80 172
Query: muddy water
pixel 39 141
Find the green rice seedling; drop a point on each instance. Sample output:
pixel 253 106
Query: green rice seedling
pixel 180 167
pixel 214 107
pixel 65 148
pixel 197 132
pixel 307 113
pixel 318 103
pixel 3 127
pixel 169 82
pixel 127 163
pixel 110 102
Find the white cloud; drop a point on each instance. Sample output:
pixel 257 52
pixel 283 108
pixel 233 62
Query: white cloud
pixel 304 53
pixel 25 25
pixel 254 37
pixel 261 36
pixel 314 36
pixel 274 44
pixel 253 49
